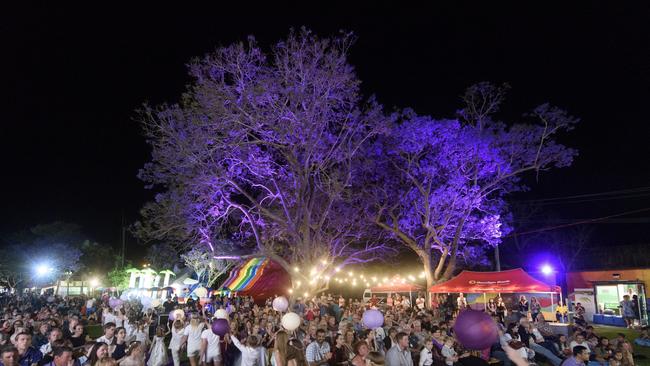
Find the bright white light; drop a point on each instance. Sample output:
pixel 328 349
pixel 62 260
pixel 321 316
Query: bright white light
pixel 43 269
pixel 94 282
pixel 547 269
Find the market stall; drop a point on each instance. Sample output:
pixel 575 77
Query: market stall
pixel 514 281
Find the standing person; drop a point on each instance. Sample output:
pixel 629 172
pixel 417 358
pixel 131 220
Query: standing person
pixel 175 342
pixel 420 302
pixel 492 307
pixel 461 302
pixel 502 311
pixel 523 307
pixel 210 350
pixel 192 337
pixel 281 350
pixel 250 356
pixel 399 355
pixel 158 355
pixel 318 352
pixel 627 311
pixel 535 308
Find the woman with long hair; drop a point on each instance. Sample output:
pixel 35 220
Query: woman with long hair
pixel 98 351
pixel 119 346
pixel 340 354
pixel 281 350
pixel 535 308
pixel 134 355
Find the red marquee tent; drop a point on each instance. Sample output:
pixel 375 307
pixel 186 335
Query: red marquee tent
pixel 511 281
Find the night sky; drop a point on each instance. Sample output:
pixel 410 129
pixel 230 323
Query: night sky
pixel 73 78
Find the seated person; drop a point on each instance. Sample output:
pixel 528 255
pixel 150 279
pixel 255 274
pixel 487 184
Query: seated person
pixel 644 338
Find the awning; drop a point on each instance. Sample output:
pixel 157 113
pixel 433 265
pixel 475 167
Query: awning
pixel 510 281
pixel 398 287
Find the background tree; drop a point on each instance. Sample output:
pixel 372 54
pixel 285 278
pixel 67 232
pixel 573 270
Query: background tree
pixel 203 262
pixel 162 256
pixel 439 186
pixel 13 271
pixel 266 143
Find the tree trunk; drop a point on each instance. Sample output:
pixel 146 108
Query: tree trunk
pixel 497 258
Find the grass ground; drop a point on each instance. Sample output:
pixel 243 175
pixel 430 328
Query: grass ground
pixel 641 354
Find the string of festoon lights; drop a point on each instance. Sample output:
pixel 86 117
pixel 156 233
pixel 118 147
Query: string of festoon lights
pixel 353 279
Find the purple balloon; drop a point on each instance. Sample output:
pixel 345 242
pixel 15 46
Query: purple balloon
pixel 373 318
pixel 220 327
pixel 475 330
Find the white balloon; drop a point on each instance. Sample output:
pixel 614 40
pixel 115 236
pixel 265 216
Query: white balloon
pixel 201 292
pixel 280 303
pixel 291 321
pixel 221 314
pixel 179 314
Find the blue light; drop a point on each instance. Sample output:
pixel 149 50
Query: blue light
pixel 547 269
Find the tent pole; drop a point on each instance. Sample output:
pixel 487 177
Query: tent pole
pixel 552 304
pixel 485 301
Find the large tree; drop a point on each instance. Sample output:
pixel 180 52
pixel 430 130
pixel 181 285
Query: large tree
pixel 266 143
pixel 439 186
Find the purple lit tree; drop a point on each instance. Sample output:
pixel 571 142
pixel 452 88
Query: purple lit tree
pixel 439 186
pixel 266 143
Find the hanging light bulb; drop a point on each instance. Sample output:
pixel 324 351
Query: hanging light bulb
pixel 296 269
pixel 337 269
pixel 290 291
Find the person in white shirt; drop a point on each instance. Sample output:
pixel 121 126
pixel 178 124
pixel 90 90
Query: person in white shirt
pixel 448 352
pixel 426 355
pixel 250 354
pixel 419 302
pixel 192 336
pixel 579 341
pixel 109 334
pixel 107 316
pixel 175 342
pixel 210 350
pixel 54 335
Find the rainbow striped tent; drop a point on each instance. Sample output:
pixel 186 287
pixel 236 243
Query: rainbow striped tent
pixel 259 277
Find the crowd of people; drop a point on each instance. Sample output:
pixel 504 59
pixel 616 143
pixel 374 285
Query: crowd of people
pixel 45 330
